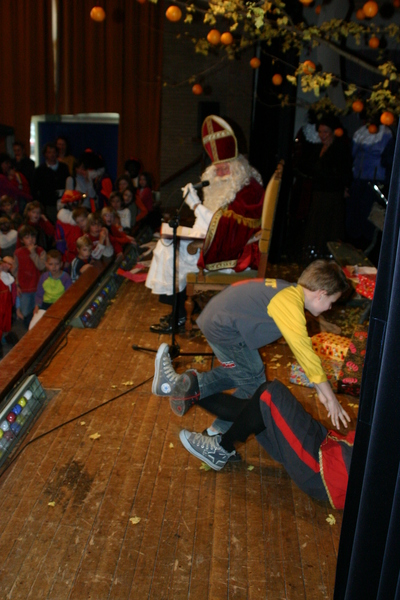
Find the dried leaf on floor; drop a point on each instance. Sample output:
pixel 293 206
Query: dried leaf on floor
pixel 250 468
pixel 135 520
pixel 171 445
pixel 83 423
pixel 51 503
pixel 331 519
pixel 95 436
pixel 204 467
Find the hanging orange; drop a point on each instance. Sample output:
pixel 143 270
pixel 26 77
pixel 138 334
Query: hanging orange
pixel 97 14
pixel 357 106
pixel 141 1
pixel 387 118
pixel 370 9
pixel 372 128
pixel 338 132
pixel 396 3
pixel 318 9
pixel 226 38
pixel 360 14
pixel 277 79
pixel 197 89
pixel 173 13
pixel 214 37
pixel 255 62
pixel 308 67
pixel 306 2
pixel 373 42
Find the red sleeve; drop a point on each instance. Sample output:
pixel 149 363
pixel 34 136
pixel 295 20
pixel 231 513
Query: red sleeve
pixel 142 209
pixel 106 187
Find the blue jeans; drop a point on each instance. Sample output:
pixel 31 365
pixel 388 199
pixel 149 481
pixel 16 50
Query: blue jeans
pixel 241 369
pixel 27 303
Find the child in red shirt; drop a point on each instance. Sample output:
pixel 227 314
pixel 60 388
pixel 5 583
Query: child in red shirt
pixel 29 262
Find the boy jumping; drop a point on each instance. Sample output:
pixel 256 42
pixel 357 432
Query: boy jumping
pixel 245 317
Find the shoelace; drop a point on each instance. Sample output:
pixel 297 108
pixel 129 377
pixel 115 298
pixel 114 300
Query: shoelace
pixel 169 369
pixel 208 443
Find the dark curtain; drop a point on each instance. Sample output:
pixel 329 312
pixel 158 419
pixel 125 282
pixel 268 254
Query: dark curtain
pixel 26 64
pixel 369 551
pixel 115 66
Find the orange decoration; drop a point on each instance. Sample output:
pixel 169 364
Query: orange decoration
pixel 197 89
pixel 360 14
pixel 372 128
pixel 387 118
pixel 214 37
pixel 373 42
pixel 370 9
pixel 277 79
pixel 318 9
pixel 97 14
pixel 308 67
pixel 255 62
pixel 396 3
pixel 173 13
pixel 141 1
pixel 357 106
pixel 338 132
pixel 226 38
pixel 306 2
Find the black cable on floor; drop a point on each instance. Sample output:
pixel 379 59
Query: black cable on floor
pixel 42 435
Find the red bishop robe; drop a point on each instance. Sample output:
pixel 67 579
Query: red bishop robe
pixel 230 229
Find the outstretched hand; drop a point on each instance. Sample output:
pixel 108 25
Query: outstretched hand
pixel 336 412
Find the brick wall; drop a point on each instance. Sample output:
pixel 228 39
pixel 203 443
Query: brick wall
pixel 228 82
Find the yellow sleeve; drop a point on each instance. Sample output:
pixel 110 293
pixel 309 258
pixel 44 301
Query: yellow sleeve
pixel 287 311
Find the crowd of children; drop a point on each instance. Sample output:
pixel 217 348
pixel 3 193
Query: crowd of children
pixel 40 257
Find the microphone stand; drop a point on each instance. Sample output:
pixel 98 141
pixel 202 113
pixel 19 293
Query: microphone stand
pixel 174 348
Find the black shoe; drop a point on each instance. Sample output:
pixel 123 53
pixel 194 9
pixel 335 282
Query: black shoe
pixel 167 327
pixel 11 338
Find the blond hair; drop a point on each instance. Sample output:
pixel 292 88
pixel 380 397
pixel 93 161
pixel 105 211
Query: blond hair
pixel 83 241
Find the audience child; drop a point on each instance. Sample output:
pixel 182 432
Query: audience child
pixel 12 183
pixel 98 234
pixel 7 283
pixel 53 283
pixel 45 231
pixel 8 206
pixel 80 216
pixel 81 263
pixel 29 261
pixel 67 230
pixel 117 236
pixel 128 201
pixel 8 237
pixel 122 183
pixel 123 212
pixel 144 191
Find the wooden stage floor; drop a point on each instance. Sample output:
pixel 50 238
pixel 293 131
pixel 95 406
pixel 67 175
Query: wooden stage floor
pixel 131 514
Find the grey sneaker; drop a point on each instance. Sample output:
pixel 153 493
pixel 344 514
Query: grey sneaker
pixel 207 449
pixel 164 373
pixel 185 393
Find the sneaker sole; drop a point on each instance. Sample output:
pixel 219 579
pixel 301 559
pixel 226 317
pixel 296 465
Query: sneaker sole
pixel 185 404
pixel 157 363
pixel 192 451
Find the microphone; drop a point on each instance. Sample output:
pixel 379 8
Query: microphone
pixel 198 186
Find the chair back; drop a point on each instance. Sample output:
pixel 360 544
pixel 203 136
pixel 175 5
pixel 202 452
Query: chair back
pixel 268 215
